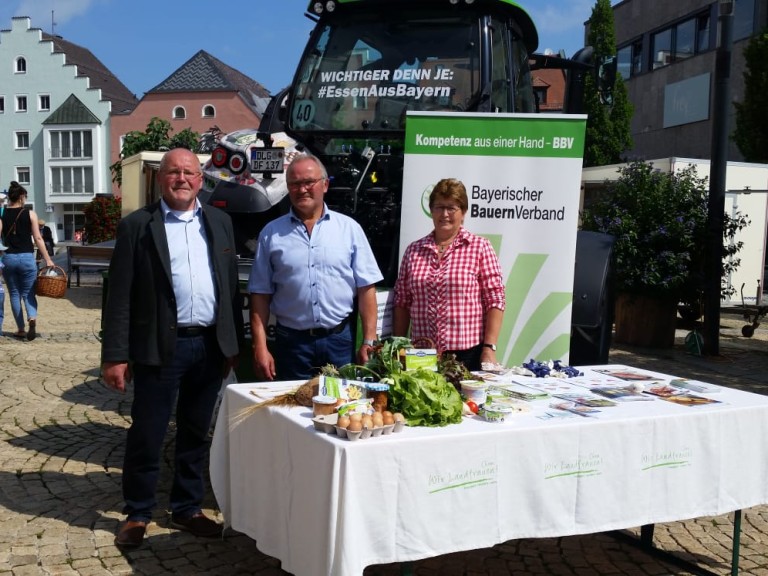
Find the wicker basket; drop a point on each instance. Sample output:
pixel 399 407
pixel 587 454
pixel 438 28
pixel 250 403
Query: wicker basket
pixel 51 282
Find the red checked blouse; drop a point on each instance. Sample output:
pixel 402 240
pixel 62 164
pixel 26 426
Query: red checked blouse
pixel 448 297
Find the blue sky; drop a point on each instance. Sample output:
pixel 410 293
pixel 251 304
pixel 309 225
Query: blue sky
pixel 143 41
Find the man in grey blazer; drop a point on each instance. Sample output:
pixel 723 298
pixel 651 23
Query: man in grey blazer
pixel 172 323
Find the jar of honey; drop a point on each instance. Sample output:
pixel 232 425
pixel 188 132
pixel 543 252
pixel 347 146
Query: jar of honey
pixel 378 392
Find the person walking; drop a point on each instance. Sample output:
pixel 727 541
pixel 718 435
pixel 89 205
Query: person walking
pixel 47 234
pixel 309 268
pixel 19 230
pixel 173 323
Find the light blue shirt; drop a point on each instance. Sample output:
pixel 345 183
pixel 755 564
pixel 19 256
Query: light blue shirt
pixel 312 280
pixel 191 268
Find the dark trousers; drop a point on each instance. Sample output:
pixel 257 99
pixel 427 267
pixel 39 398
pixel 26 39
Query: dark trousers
pixel 190 383
pixel 469 357
pixel 300 356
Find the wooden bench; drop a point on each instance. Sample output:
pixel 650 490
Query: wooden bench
pixel 94 256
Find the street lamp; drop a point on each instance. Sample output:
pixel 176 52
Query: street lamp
pixel 719 167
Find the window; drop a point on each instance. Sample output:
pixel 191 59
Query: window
pixel 702 32
pixel 21 103
pixel 661 49
pixel 72 180
pixel 500 71
pixel 179 113
pixel 71 144
pixel 681 41
pixel 44 103
pixel 209 111
pixel 22 140
pixel 22 175
pixel 743 19
pixel 21 65
pixel 624 61
pixel 685 40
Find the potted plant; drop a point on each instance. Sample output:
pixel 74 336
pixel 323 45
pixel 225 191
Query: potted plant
pixel 659 220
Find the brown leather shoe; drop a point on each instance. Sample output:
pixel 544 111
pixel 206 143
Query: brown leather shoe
pixel 198 524
pixel 131 534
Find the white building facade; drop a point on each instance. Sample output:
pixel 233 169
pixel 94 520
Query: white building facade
pixel 54 128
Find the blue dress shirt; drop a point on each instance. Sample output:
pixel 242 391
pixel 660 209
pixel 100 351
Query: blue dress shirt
pixel 313 280
pixel 191 267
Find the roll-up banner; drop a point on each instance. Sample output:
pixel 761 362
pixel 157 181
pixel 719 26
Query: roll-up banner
pixel 523 177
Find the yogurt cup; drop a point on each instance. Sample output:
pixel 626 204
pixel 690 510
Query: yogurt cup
pixel 495 412
pixel 474 390
pixel 323 405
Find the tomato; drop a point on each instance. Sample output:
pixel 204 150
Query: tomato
pixel 472 406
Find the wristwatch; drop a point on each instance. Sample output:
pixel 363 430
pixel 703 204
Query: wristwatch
pixel 491 346
pixel 368 342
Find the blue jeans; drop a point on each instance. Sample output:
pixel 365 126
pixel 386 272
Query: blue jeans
pixel 299 356
pixel 20 273
pixel 190 383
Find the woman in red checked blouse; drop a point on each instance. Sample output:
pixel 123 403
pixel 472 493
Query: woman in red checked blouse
pixel 450 288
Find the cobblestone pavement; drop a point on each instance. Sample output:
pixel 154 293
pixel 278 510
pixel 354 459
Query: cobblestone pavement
pixel 61 456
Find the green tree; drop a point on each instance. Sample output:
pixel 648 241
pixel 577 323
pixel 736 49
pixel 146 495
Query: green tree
pixel 605 96
pixel 752 113
pixel 156 137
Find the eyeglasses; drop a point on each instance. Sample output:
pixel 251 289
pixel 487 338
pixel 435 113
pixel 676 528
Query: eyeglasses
pixel 450 209
pixel 177 174
pixel 299 184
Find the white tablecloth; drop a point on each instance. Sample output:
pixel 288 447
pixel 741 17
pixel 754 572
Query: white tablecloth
pixel 325 505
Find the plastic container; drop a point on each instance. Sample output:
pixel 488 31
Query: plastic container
pixel 323 405
pixel 475 391
pixel 495 412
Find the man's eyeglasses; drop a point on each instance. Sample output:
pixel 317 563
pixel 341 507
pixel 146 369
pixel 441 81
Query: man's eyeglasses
pixel 177 174
pixel 299 184
pixel 449 209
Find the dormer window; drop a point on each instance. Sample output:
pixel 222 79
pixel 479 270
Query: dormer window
pixel 209 111
pixel 21 65
pixel 179 113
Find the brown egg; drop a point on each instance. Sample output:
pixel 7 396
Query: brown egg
pixel 378 420
pixel 355 426
pixel 398 417
pixel 343 422
pixel 357 417
pixel 367 422
pixel 386 413
pixel 388 419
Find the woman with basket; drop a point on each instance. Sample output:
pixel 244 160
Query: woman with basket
pixel 19 228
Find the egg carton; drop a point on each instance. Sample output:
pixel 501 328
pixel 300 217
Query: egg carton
pixel 328 424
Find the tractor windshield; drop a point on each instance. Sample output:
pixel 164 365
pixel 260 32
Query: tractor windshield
pixel 364 73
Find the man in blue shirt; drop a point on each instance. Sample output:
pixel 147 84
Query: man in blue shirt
pixel 310 266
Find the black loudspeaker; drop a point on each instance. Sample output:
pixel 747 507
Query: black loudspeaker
pixel 592 320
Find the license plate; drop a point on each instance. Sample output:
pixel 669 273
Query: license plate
pixel 267 159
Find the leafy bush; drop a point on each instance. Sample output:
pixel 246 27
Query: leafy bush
pixel 102 215
pixel 660 223
pixel 157 137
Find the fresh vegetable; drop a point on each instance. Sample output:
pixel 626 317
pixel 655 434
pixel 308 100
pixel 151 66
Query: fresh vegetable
pixel 472 406
pixel 454 370
pixel 424 397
